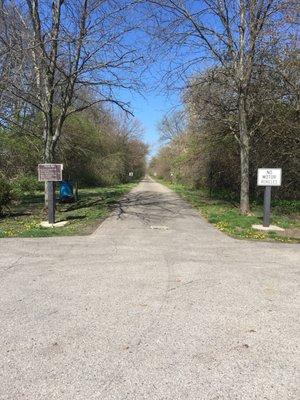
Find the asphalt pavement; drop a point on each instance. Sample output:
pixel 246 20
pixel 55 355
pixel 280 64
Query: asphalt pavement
pixel 156 304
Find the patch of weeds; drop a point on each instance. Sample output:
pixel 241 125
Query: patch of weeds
pixel 83 217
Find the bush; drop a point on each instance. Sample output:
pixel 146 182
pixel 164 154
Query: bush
pixel 26 184
pixel 286 206
pixel 5 193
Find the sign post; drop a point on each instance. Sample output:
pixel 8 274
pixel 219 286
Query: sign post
pixel 51 202
pixel 268 177
pixel 50 173
pixel 267 206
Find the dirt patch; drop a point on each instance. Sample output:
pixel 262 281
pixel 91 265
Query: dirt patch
pixel 291 232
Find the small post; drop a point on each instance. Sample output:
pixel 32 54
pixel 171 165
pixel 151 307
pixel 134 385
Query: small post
pixel 51 202
pixel 267 206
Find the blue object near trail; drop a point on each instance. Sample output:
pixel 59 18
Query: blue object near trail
pixel 66 191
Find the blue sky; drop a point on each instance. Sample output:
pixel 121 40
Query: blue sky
pixel 149 110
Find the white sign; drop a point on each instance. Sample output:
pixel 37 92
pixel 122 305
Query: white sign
pixel 50 172
pixel 130 174
pixel 269 177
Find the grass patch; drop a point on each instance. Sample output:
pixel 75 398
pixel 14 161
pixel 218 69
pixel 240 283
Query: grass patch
pixel 84 216
pixel 227 218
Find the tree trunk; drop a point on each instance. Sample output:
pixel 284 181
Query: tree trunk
pixel 48 152
pixel 48 158
pixel 76 191
pixel 244 152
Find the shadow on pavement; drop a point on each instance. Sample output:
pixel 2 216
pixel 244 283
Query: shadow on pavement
pixel 153 207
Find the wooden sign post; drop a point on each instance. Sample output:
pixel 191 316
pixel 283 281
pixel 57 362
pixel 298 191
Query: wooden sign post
pixel 50 173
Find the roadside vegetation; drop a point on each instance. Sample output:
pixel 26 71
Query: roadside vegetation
pixel 73 58
pixel 98 151
pixel 94 204
pixel 239 111
pixel 226 216
pixel 236 64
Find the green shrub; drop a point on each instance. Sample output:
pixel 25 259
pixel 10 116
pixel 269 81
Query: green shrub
pixel 5 193
pixel 286 206
pixel 26 184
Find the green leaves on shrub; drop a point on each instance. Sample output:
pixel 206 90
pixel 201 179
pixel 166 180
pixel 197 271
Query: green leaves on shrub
pixel 26 184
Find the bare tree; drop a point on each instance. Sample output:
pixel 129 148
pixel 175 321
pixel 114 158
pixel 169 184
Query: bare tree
pixel 128 127
pixel 172 125
pixel 66 49
pixel 226 33
pixel 13 63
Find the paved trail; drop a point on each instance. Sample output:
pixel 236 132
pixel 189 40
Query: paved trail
pixel 132 313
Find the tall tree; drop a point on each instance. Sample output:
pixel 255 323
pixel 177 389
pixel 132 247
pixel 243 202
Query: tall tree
pixel 64 49
pixel 226 33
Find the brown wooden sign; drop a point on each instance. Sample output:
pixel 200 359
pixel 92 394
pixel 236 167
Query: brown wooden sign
pixel 50 172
